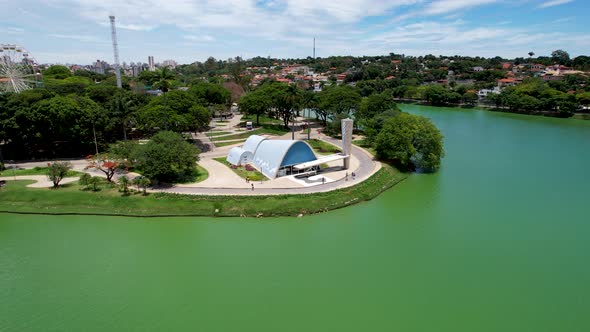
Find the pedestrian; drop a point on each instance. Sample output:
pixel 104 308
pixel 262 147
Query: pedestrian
pixel 323 180
pixel 346 177
pixel 247 179
pixel 252 186
pixel 353 175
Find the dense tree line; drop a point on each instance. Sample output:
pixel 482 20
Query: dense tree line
pixel 72 115
pixel 536 95
pixel 410 142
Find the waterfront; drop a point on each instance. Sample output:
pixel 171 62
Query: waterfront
pixel 495 241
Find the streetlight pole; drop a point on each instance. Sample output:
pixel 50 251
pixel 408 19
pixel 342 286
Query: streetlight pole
pixel 292 126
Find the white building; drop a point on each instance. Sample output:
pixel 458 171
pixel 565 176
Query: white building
pixel 151 63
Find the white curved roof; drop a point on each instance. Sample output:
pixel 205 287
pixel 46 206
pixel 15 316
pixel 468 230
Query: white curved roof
pixel 252 143
pixel 271 155
pixel 239 156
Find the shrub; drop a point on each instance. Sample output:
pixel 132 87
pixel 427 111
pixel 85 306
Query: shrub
pixel 85 180
pixel 57 171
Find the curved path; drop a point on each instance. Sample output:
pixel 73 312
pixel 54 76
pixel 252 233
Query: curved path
pixel 41 181
pixel 366 167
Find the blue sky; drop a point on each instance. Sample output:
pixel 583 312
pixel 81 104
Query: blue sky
pixel 77 31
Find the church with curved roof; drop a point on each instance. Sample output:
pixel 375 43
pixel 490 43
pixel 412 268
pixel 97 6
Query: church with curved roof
pixel 273 158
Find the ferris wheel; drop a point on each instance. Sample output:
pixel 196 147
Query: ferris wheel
pixel 18 69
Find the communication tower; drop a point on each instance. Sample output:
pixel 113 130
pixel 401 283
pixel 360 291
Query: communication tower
pixel 116 51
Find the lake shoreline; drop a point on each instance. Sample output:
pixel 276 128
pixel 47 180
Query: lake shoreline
pixel 15 198
pixel 490 108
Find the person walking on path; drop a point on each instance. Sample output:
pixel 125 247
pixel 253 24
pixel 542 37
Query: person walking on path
pixel 252 186
pixel 346 177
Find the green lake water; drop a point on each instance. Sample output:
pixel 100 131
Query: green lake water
pixel 498 240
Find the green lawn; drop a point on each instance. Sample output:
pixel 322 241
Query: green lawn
pixel 217 133
pixel 323 148
pixel 242 172
pixel 202 174
pixel 34 171
pixel 264 120
pixel 220 144
pixel 271 130
pixel 363 144
pixel 70 199
pixel 198 175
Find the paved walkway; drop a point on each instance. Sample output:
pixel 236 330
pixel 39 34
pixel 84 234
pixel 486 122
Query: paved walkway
pixel 223 181
pixel 229 183
pixel 41 180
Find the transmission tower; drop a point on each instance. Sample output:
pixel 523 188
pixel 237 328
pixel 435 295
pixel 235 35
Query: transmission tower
pixel 116 51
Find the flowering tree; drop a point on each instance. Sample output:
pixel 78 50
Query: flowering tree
pixel 57 171
pixel 107 164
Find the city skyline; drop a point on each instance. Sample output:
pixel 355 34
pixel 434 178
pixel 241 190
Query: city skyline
pixel 77 32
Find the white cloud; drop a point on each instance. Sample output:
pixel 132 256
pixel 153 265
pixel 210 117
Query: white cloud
pixel 11 30
pixel 200 38
pixel 80 38
pixel 554 3
pixel 185 29
pixel 135 27
pixel 446 6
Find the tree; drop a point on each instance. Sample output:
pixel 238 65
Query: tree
pixel 163 83
pixel 123 150
pixel 561 57
pixel 57 72
pixel 107 164
pixel 210 94
pixel 338 100
pixel 95 182
pixel 582 62
pixel 470 98
pixel 255 103
pixel 85 180
pixel 283 98
pixel 149 77
pixel 183 113
pixel 101 93
pixel 372 126
pixel 410 141
pixel 375 104
pixel 142 183
pixel 124 183
pixel 200 117
pixel 584 98
pixel 439 95
pixel 57 171
pixel 167 157
pixel 122 110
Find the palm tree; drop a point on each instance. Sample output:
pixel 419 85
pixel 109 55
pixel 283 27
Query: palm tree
pixel 163 83
pixel 531 54
pixel 293 102
pixel 123 110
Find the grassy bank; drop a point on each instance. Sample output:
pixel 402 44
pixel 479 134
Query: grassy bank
pixel 365 145
pixel 34 171
pixel 242 172
pixel 323 148
pixel 276 130
pixel 16 198
pixel 217 133
pixel 226 143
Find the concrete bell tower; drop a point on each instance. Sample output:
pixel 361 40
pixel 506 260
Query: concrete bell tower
pixel 347 141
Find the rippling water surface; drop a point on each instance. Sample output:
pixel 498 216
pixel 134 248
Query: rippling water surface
pixel 498 240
